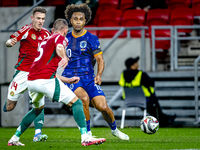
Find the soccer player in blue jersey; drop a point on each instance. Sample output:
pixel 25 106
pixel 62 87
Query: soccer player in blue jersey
pixel 83 47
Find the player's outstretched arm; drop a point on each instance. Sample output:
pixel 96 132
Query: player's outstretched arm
pixel 11 42
pixel 68 80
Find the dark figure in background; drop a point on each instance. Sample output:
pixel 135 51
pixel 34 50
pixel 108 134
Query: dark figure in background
pixel 146 5
pixel 132 74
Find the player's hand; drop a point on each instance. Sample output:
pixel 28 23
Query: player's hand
pixel 74 80
pixel 63 63
pixel 97 80
pixel 11 42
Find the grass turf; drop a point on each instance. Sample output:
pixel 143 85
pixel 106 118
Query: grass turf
pixel 69 138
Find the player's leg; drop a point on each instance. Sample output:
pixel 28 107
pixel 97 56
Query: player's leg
pixel 38 123
pixel 100 103
pixel 26 121
pixel 64 95
pixel 16 88
pixel 82 94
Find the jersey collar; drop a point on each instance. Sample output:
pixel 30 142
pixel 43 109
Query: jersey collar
pixel 79 35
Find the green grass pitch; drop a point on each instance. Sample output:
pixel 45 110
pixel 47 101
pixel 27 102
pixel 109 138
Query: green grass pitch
pixel 69 139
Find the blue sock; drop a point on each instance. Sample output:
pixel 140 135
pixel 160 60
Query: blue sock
pixel 112 125
pixel 88 125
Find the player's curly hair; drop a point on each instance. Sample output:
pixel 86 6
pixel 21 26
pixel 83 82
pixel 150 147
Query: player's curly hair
pixel 84 8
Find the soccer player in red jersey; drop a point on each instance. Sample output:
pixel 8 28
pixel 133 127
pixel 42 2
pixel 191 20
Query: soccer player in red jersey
pixel 30 36
pixel 42 81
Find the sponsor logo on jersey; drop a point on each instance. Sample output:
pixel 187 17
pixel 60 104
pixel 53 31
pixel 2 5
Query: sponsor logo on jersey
pixel 12 93
pixel 40 38
pixel 33 36
pixel 16 34
pixel 83 45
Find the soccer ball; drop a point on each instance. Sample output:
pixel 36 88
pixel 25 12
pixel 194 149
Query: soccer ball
pixel 149 125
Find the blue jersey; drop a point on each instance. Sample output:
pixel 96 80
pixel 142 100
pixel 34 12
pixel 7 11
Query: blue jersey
pixel 81 52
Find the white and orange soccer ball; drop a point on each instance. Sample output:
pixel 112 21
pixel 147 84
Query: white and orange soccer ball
pixel 149 125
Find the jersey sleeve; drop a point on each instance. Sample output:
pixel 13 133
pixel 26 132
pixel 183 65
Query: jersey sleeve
pixel 19 34
pixel 95 46
pixel 61 40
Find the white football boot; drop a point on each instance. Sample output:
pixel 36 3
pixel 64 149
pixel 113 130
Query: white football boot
pixel 87 140
pixel 119 134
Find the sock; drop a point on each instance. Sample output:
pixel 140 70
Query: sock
pixel 88 125
pixel 4 107
pixel 26 121
pixel 38 122
pixel 112 125
pixel 79 117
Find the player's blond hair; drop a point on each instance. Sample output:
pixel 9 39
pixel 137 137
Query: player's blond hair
pixel 60 24
pixel 83 8
pixel 39 9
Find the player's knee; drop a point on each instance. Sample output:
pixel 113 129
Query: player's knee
pixel 10 107
pixel 85 101
pixel 103 108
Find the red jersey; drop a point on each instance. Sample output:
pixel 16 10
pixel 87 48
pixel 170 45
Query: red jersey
pixel 29 40
pixel 46 61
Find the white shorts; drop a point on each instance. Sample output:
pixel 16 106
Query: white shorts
pixel 18 85
pixel 54 89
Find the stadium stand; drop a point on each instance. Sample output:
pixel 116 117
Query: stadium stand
pixel 109 18
pixel 126 4
pixel 182 16
pixel 133 17
pixel 108 4
pixel 9 3
pixel 174 4
pixel 159 17
pixel 54 2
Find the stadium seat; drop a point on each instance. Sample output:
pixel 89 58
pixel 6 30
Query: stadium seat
pixel 54 2
pixel 133 17
pixel 9 3
pixel 195 7
pixel 108 4
pixel 134 98
pixel 159 17
pixel 173 4
pixel 109 18
pixel 125 4
pixel 182 16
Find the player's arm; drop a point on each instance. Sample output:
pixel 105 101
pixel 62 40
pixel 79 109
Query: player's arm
pixel 11 42
pixel 60 50
pixel 68 80
pixel 100 68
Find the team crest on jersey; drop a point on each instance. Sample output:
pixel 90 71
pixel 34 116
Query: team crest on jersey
pixel 64 43
pixel 16 34
pixel 33 36
pixel 83 45
pixel 44 36
pixel 12 93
